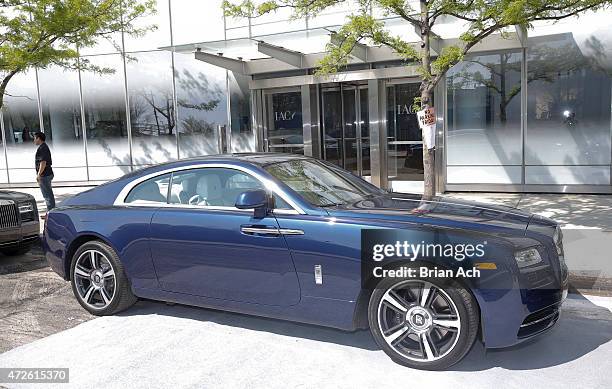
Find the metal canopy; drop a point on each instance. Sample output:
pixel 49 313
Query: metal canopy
pixel 231 64
pixel 255 56
pixel 360 51
pixel 293 58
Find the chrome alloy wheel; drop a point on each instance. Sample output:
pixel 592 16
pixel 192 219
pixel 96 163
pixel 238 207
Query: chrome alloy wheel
pixel 419 321
pixel 95 279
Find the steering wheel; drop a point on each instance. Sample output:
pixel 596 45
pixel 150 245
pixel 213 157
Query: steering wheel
pixel 197 200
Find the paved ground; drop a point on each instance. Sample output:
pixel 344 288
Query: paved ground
pixel 586 221
pixel 34 301
pixel 185 347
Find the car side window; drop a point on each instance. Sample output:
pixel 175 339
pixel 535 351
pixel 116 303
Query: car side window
pixel 154 190
pixel 213 187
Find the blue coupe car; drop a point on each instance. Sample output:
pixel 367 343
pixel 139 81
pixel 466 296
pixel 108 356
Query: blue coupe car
pixel 280 236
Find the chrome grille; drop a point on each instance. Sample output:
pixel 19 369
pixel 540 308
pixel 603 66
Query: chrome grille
pixel 8 214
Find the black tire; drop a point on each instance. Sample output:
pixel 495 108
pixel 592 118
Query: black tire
pixel 122 296
pixel 405 351
pixel 18 250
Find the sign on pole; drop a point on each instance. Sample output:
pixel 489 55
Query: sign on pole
pixel 427 123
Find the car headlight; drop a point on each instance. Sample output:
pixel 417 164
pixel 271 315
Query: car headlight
pixel 26 207
pixel 527 257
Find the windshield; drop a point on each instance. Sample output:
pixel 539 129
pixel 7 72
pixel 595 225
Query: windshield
pixel 320 184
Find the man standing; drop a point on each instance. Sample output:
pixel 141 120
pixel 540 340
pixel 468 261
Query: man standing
pixel 44 173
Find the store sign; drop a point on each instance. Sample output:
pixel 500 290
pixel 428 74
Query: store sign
pixel 284 116
pixel 405 109
pixel 427 123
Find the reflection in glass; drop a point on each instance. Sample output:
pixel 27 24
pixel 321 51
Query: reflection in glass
pixel 346 127
pixel 568 110
pixel 285 131
pixel 61 110
pixel 405 145
pixel 350 129
pixel 332 126
pixel 365 131
pixel 202 105
pixel 242 136
pixel 21 121
pixel 105 119
pixel 484 117
pixel 152 115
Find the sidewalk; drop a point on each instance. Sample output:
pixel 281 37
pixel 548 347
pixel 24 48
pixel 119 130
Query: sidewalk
pixel 586 221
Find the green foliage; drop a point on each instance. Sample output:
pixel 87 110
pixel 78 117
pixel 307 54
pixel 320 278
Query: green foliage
pixel 359 28
pixel 300 8
pixel 448 56
pixel 40 33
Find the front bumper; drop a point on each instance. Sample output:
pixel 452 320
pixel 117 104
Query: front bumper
pixel 27 232
pixel 543 319
pixel 531 306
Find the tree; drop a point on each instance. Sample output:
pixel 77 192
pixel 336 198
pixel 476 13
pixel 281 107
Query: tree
pixel 41 33
pixel 481 18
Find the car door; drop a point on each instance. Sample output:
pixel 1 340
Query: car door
pixel 202 245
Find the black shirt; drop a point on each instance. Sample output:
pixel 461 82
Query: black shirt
pixel 43 154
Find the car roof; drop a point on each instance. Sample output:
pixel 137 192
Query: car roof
pixel 261 159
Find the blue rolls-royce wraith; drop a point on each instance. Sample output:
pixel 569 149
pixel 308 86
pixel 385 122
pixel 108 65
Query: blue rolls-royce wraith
pixel 280 236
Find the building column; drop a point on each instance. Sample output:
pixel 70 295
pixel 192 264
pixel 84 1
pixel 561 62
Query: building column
pixel 310 121
pixel 377 104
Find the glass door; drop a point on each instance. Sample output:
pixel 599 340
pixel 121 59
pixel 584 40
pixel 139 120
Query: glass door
pixel 345 127
pixel 333 125
pixel 404 142
pixel 283 121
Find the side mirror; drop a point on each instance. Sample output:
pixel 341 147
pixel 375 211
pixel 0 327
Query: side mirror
pixel 256 199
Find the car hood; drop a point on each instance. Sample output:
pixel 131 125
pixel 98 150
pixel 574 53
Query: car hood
pixel 15 196
pixel 436 210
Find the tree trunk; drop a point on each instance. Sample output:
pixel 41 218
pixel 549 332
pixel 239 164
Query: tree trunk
pixel 429 176
pixel 503 59
pixel 429 168
pixel 4 83
pixel 170 116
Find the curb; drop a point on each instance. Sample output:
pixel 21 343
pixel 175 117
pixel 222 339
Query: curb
pixel 589 283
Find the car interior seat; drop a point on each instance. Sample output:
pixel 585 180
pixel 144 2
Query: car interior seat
pixel 149 191
pixel 187 190
pixel 209 190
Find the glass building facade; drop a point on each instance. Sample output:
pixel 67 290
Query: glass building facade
pixel 523 112
pixel 153 106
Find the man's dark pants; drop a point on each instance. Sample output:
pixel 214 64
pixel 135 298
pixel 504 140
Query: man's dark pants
pixel 47 191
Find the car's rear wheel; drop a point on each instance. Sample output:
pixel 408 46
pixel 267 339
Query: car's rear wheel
pixel 422 323
pixel 99 281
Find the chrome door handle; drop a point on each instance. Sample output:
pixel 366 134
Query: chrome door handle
pixel 288 231
pixel 270 230
pixel 260 230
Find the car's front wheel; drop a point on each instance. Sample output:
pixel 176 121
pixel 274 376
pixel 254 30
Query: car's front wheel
pixel 99 281
pixel 422 323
